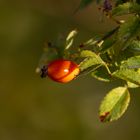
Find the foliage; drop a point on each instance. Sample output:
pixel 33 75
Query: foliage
pixel 114 104
pixel 114 56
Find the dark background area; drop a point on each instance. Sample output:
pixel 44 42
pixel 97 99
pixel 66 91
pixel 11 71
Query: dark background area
pixel 32 108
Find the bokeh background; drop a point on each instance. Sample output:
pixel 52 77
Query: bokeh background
pixel 32 108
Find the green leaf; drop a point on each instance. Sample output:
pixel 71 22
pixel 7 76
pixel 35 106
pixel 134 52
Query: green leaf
pixel 108 40
pixel 90 59
pixel 130 71
pixel 128 75
pixel 132 85
pixel 88 62
pixel 129 29
pixel 101 74
pixel 126 8
pixel 107 44
pixel 91 42
pixel 114 104
pixel 134 46
pixel 131 63
pixel 126 34
pixel 88 53
pixel 70 39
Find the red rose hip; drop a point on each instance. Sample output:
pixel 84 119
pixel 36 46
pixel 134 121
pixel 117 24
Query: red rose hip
pixel 62 71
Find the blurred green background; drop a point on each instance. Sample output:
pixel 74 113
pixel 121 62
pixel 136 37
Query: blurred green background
pixel 32 108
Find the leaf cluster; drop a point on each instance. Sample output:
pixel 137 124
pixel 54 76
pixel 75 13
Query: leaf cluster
pixel 113 56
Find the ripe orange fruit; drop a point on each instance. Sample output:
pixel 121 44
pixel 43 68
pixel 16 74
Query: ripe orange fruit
pixel 62 70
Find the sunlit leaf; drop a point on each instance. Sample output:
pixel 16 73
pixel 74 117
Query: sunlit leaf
pixel 131 63
pixel 128 75
pixel 126 8
pixel 88 53
pixel 127 71
pixel 91 42
pixel 114 104
pixel 90 59
pixel 132 85
pixel 70 39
